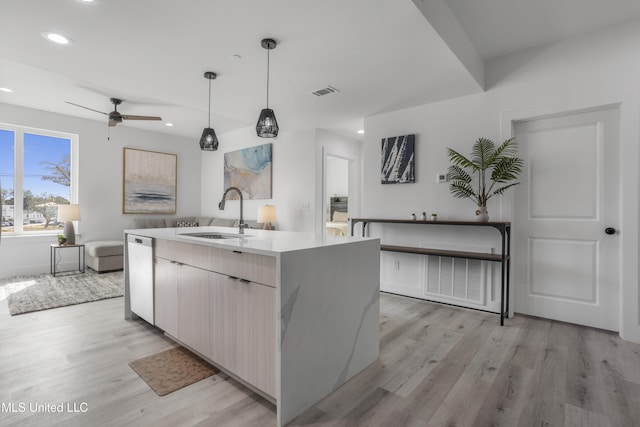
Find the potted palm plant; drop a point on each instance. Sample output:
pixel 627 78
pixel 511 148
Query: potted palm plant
pixel 488 172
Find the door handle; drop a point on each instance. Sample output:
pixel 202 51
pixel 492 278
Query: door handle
pixel 610 230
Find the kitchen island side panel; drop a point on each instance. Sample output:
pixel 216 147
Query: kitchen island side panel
pixel 329 299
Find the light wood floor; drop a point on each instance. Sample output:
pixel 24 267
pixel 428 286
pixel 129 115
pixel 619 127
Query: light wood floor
pixel 439 366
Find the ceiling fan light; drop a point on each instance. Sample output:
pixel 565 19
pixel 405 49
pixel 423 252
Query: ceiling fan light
pixel 208 140
pixel 267 126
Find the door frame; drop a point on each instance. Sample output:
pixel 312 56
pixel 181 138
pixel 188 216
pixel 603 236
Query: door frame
pixel 336 146
pixel 628 104
pixel 325 195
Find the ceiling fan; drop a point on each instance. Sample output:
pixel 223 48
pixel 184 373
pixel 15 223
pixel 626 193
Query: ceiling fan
pixel 115 117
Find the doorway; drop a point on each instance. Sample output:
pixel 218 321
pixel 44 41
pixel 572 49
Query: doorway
pixel 567 218
pixel 336 196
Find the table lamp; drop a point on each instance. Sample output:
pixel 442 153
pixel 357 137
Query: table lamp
pixel 68 213
pixel 267 215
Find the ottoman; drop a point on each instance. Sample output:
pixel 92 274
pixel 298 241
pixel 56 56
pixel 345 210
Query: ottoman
pixel 106 255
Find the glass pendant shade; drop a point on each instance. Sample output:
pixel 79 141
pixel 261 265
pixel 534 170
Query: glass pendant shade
pixel 208 140
pixel 267 126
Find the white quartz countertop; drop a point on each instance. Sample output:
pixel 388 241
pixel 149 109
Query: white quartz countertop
pixel 264 242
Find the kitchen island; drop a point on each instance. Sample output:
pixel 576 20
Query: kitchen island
pixel 291 315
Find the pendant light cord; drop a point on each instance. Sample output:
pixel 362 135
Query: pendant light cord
pixel 209 103
pixel 268 77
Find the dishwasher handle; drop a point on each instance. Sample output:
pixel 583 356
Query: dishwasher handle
pixel 139 240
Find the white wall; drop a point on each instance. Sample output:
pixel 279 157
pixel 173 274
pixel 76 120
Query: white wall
pixel 293 182
pixel 100 186
pixel 297 176
pixel 575 74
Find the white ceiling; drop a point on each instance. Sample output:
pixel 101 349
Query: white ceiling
pixel 382 55
pixel 502 27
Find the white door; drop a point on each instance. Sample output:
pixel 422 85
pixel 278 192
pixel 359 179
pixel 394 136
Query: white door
pixel 566 264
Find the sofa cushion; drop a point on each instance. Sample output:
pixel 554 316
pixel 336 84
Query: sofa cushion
pixel 224 222
pixel 173 222
pixel 204 221
pixel 187 224
pixel 250 224
pixel 148 223
pixel 104 248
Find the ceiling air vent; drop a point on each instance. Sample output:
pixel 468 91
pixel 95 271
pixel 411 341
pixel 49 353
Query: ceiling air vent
pixel 325 91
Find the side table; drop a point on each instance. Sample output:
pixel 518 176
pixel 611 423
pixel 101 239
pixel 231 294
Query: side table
pixel 54 264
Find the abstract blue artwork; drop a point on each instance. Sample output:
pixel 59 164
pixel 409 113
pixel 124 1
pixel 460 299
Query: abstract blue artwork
pixel 249 169
pixel 149 182
pixel 398 159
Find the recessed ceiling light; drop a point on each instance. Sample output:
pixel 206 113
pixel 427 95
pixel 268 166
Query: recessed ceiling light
pixel 86 1
pixel 5 89
pixel 169 124
pixel 361 131
pixel 56 38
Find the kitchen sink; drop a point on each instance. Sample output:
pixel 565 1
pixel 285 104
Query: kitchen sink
pixel 206 235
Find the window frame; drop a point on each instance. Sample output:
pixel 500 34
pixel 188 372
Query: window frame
pixel 18 174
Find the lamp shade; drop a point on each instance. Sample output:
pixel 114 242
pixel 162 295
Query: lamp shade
pixel 267 126
pixel 68 212
pixel 208 140
pixel 267 215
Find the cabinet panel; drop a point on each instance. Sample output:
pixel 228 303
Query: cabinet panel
pixel 253 267
pixel 212 306
pixel 166 296
pixel 193 308
pixel 257 268
pixel 256 335
pixel 223 323
pixel 185 253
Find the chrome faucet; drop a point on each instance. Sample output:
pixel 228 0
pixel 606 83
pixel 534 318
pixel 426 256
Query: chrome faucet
pixel 242 225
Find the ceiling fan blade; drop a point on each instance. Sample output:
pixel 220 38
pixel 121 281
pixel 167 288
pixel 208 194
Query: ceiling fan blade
pixel 87 108
pixel 130 117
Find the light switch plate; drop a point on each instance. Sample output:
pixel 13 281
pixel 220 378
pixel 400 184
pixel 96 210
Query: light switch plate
pixel 441 177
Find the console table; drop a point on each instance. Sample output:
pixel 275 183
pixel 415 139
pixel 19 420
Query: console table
pixel 504 258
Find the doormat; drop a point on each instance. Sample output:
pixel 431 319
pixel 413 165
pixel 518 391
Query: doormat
pixel 172 369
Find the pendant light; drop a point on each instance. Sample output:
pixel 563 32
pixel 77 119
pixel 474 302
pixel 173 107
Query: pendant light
pixel 267 126
pixel 209 140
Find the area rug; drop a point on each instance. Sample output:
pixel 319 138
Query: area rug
pixel 172 370
pixel 41 292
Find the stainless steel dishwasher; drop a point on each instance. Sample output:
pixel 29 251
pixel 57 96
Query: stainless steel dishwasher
pixel 140 261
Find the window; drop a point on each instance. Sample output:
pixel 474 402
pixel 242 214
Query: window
pixel 37 173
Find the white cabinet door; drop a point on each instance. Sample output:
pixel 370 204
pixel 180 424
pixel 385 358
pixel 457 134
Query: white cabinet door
pixel 243 334
pixel 223 321
pixel 193 308
pixel 166 296
pixel 256 335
